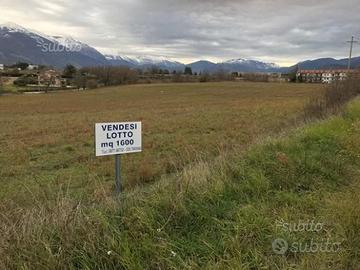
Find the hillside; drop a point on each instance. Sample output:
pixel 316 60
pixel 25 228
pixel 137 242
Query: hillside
pixel 329 63
pixel 20 44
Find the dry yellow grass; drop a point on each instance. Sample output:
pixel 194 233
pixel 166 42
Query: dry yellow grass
pixel 48 138
pixel 57 212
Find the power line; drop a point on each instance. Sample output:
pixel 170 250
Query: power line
pixel 352 41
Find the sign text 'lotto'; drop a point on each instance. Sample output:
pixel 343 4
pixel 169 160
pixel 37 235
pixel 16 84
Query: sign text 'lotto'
pixel 117 138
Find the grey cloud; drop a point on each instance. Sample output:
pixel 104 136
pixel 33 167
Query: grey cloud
pixel 278 30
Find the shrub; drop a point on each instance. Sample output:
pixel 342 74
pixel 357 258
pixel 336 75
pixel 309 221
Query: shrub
pixel 256 77
pixel 177 77
pixel 1 85
pixel 25 80
pixel 111 75
pixel 205 77
pixel 92 84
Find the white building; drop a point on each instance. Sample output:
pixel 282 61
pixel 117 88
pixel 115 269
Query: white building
pixel 1 66
pixel 32 67
pixel 330 76
pixel 322 76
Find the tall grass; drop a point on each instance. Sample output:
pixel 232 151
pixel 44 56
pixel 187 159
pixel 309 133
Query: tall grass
pixel 335 96
pixel 219 214
pixel 207 214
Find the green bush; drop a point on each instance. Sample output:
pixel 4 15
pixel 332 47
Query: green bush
pixel 25 80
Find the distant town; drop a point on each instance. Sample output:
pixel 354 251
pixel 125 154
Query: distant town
pixel 24 77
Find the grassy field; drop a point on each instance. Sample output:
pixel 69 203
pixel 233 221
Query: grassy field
pixel 209 191
pixel 49 139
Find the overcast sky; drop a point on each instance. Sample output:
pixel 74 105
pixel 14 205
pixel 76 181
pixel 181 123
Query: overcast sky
pixel 279 31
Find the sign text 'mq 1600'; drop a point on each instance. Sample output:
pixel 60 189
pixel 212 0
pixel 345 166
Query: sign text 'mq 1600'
pixel 117 138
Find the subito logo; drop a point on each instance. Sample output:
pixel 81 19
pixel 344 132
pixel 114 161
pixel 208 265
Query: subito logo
pixel 280 246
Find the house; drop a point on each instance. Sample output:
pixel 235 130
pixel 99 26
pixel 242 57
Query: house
pixel 334 75
pixel 309 76
pixel 2 67
pixel 322 76
pixel 32 67
pixel 50 78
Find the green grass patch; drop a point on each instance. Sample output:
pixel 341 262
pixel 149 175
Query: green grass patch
pixel 220 214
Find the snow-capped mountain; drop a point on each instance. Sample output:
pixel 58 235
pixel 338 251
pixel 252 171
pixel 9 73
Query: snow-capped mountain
pixel 239 65
pixel 259 64
pixel 20 44
pixel 79 46
pixel 155 60
pixel 117 60
pixel 145 62
pixel 246 65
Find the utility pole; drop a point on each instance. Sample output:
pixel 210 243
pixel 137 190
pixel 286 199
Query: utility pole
pixel 352 41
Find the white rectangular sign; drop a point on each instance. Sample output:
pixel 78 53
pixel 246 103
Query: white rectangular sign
pixel 117 138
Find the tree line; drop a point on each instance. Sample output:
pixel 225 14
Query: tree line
pixel 92 77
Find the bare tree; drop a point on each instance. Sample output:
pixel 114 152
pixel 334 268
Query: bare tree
pixel 108 75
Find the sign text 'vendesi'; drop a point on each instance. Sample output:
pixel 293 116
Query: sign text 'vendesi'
pixel 117 138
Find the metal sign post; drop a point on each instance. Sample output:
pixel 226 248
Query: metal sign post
pixel 117 174
pixel 117 139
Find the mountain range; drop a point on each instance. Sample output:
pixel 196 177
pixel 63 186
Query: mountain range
pixel 18 44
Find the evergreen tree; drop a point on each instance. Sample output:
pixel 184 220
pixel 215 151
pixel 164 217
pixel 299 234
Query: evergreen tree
pixel 70 71
pixel 188 71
